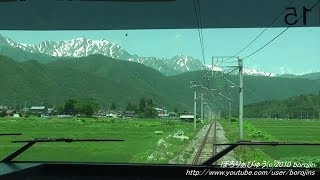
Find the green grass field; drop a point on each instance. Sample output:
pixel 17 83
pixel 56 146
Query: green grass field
pixel 291 131
pixel 280 130
pixel 139 135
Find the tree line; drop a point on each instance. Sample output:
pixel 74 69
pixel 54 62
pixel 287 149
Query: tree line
pixel 79 107
pixel 145 108
pixel 298 107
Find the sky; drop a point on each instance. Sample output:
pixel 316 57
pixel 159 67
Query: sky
pixel 297 51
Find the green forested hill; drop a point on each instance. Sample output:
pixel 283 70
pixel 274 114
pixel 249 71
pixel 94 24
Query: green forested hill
pixel 108 80
pixel 258 88
pixel 94 77
pixel 311 76
pixel 20 55
pixel 303 106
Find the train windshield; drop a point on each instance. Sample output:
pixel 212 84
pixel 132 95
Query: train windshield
pixel 164 96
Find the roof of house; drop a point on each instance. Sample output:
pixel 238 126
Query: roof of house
pixel 37 108
pixel 163 115
pixel 186 116
pixel 4 107
pixel 10 111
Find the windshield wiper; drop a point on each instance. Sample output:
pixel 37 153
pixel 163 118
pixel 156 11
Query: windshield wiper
pixel 232 146
pixel 10 134
pixel 67 140
pixel 135 1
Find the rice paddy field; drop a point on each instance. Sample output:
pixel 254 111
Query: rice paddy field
pixel 141 143
pixel 278 130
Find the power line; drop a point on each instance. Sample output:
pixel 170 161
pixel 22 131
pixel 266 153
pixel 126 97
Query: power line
pixel 201 32
pixel 199 25
pixel 274 20
pixel 267 43
pixel 278 34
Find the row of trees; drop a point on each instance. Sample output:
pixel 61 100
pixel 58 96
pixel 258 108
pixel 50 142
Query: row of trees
pixel 77 106
pixel 145 109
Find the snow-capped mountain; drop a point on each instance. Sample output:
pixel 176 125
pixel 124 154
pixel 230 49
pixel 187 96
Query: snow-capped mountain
pixel 249 71
pixel 246 71
pixel 81 47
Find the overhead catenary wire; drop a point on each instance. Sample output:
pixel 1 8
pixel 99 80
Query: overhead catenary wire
pixel 282 32
pixel 257 37
pixel 196 3
pixel 262 32
pixel 277 35
pixel 201 32
pixel 267 43
pixel 199 25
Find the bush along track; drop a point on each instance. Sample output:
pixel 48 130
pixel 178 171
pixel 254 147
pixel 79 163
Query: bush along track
pixel 246 153
pixel 171 145
pixel 264 153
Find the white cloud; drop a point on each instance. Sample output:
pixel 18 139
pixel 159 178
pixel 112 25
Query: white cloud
pixel 285 70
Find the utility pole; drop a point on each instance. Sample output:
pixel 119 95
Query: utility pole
pixel 25 107
pixel 229 106
pixel 195 111
pixel 240 62
pixel 14 101
pixel 194 85
pixel 202 106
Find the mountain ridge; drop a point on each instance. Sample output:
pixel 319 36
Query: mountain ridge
pixel 46 51
pixel 109 80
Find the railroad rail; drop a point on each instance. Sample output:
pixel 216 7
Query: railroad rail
pixel 200 152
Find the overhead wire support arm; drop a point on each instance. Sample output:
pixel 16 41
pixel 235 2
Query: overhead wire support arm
pixel 219 61
pixel 225 96
pixel 231 82
pixel 227 73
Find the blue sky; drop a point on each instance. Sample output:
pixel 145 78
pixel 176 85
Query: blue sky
pixel 297 51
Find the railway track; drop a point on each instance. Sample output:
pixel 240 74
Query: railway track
pixel 206 150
